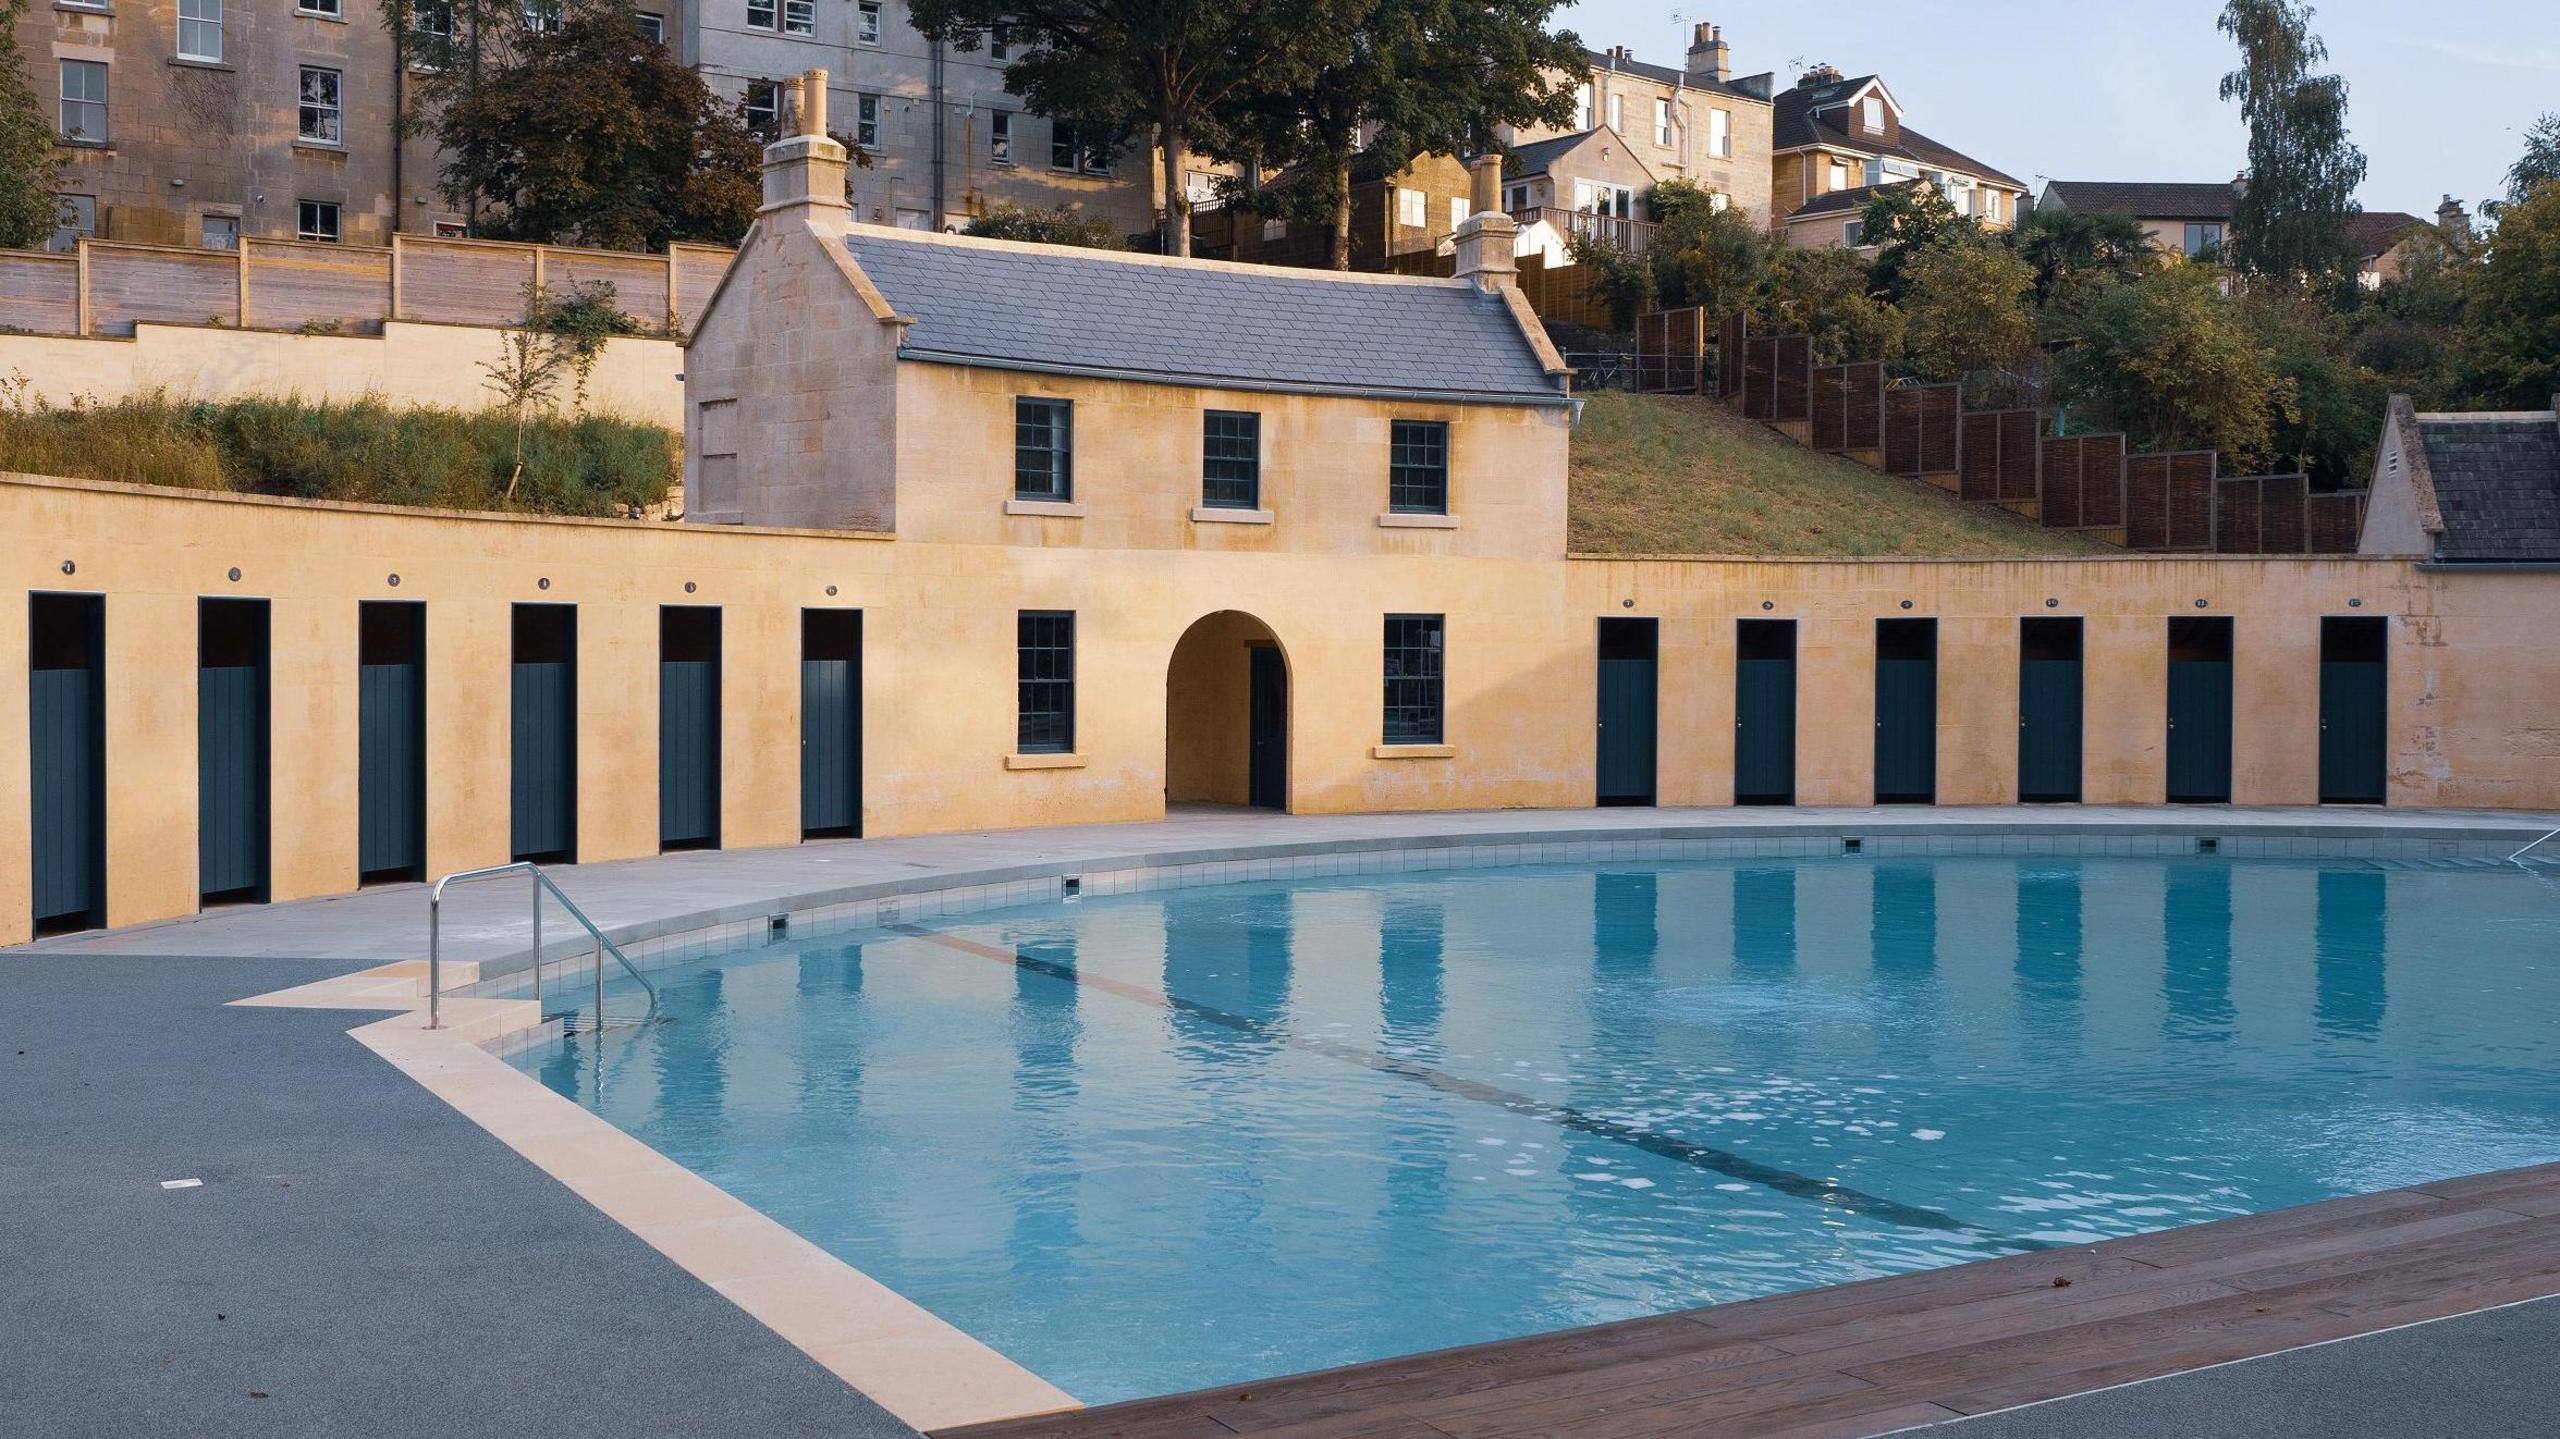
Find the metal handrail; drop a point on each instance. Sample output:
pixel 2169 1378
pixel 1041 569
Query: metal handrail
pixel 541 882
pixel 2537 844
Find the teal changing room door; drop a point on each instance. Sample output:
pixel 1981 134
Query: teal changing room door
pixel 1630 684
pixel 1267 729
pixel 67 760
pixel 688 727
pixel 1906 711
pixel 830 723
pixel 1764 713
pixel 2200 709
pixel 2049 711
pixel 543 735
pixel 2353 693
pixel 391 741
pixel 231 750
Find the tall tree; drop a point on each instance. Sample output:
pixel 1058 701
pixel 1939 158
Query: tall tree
pixel 2539 165
pixel 1967 313
pixel 1407 77
pixel 1125 66
pixel 29 163
pixel 1704 255
pixel 583 130
pixel 2291 220
pixel 2172 360
pixel 2511 348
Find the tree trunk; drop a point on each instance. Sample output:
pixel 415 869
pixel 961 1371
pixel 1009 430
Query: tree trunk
pixel 1338 244
pixel 1177 205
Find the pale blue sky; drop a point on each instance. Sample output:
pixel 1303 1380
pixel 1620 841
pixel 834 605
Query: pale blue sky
pixel 2439 92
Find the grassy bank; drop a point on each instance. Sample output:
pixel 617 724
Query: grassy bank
pixel 361 451
pixel 1658 474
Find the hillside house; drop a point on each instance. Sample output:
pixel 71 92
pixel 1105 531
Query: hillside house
pixel 1836 140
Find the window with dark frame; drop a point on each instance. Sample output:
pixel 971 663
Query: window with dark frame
pixel 1413 696
pixel 1043 449
pixel 764 109
pixel 763 14
pixel 1231 460
pixel 1045 645
pixel 1418 467
pixel 800 17
pixel 318 123
pixel 316 220
pixel 1000 138
pixel 84 102
pixel 867 22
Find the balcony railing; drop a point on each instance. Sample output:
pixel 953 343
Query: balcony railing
pixel 1631 236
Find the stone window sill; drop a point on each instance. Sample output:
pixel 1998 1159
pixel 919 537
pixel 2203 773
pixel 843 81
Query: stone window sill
pixel 1045 509
pixel 321 147
pixel 1394 521
pixel 1044 761
pixel 193 62
pixel 1221 515
pixel 1413 751
pixel 337 19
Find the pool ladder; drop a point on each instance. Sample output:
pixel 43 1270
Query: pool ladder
pixel 541 882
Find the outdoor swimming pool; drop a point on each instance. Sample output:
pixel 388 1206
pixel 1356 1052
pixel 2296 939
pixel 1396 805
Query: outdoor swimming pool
pixel 1153 1142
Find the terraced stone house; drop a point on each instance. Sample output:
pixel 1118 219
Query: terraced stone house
pixel 1837 140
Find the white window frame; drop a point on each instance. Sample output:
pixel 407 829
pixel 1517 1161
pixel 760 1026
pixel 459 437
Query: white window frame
pixel 1839 174
pixel 1457 211
pixel 799 17
pixel 1720 134
pixel 771 10
pixel 1000 138
pixel 1853 233
pixel 866 123
pixel 307 215
pixel 200 30
pixel 1515 197
pixel 85 102
pixel 1617 114
pixel 431 19
pixel 326 9
pixel 1409 208
pixel 1661 122
pixel 999 47
pixel 866 23
pixel 1872 112
pixel 319 121
pixel 1582 111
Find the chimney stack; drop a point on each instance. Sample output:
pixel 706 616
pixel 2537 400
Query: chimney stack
pixel 1486 239
pixel 2454 223
pixel 1710 59
pixel 805 169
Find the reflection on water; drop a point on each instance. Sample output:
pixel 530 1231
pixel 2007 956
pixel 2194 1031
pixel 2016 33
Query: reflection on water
pixel 1155 1142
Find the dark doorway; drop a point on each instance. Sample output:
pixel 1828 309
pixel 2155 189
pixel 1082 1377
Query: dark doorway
pixel 830 723
pixel 391 741
pixel 1630 687
pixel 2200 709
pixel 2354 694
pixel 688 727
pixel 67 760
pixel 2049 711
pixel 1764 713
pixel 543 715
pixel 1267 781
pixel 1906 711
pixel 231 751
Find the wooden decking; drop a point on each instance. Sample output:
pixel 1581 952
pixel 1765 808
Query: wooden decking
pixel 1864 1358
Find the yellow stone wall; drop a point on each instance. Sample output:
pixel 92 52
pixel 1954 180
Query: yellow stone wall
pixel 2473 667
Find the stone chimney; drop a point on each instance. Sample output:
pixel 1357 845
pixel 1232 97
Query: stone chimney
pixel 2454 223
pixel 804 169
pixel 1710 59
pixel 1819 75
pixel 1486 239
pixel 2240 185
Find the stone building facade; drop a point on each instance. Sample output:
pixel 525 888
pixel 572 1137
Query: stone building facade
pixel 1697 123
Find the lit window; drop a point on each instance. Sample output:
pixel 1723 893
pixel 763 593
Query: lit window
pixel 1231 460
pixel 1718 201
pixel 1839 175
pixel 763 14
pixel 1720 134
pixel 866 23
pixel 1418 467
pixel 316 220
pixel 866 122
pixel 1409 208
pixel 1615 121
pixel 1413 680
pixel 84 102
pixel 200 30
pixel 763 109
pixel 1000 138
pixel 1043 450
pixel 75 218
pixel 1662 122
pixel 319 122
pixel 1045 671
pixel 800 17
pixel 222 232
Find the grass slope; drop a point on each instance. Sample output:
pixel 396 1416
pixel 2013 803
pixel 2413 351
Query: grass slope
pixel 1667 475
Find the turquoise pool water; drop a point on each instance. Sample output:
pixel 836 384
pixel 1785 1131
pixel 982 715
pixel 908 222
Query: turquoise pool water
pixel 1155 1142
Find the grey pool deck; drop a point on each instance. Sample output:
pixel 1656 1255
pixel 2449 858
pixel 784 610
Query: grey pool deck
pixel 360 1258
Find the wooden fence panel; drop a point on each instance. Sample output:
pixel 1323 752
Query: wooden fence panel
pixel 292 284
pixel 2337 523
pixel 39 293
pixel 1923 430
pixel 2000 455
pixel 132 283
pixel 1831 408
pixel 2059 506
pixel 1760 377
pixel 1795 377
pixel 1671 348
pixel 2146 502
pixel 463 282
pixel 1729 345
pixel 2285 510
pixel 2192 475
pixel 1866 406
pixel 639 281
pixel 2102 480
pixel 2238 524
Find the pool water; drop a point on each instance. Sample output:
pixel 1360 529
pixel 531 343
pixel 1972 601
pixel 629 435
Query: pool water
pixel 1155 1142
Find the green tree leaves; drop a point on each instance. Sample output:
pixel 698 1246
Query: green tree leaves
pixel 2291 220
pixel 29 164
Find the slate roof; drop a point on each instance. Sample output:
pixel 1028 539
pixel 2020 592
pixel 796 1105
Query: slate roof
pixel 1854 198
pixel 2374 232
pixel 2497 484
pixel 1793 125
pixel 1602 61
pixel 1043 307
pixel 2146 199
pixel 1536 157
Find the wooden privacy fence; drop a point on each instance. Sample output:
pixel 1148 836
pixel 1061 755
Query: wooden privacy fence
pixel 1730 337
pixel 2083 482
pixel 1777 378
pixel 1922 429
pixel 2168 501
pixel 2278 515
pixel 107 287
pixel 1671 351
pixel 1848 407
pixel 1999 456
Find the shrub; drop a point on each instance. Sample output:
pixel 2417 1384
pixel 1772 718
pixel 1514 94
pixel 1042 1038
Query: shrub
pixel 1065 225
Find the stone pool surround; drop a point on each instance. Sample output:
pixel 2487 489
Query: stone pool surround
pixel 919 1367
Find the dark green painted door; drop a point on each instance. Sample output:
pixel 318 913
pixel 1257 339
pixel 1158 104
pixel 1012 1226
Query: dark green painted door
pixel 231 750
pixel 830 723
pixel 688 728
pixel 391 743
pixel 2353 703
pixel 2200 710
pixel 1764 718
pixel 1906 711
pixel 1630 695
pixel 2049 720
pixel 66 753
pixel 1267 758
pixel 543 735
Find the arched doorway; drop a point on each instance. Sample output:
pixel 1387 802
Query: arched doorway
pixel 1226 715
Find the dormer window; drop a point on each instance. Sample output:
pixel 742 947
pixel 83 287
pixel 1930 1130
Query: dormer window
pixel 1873 113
